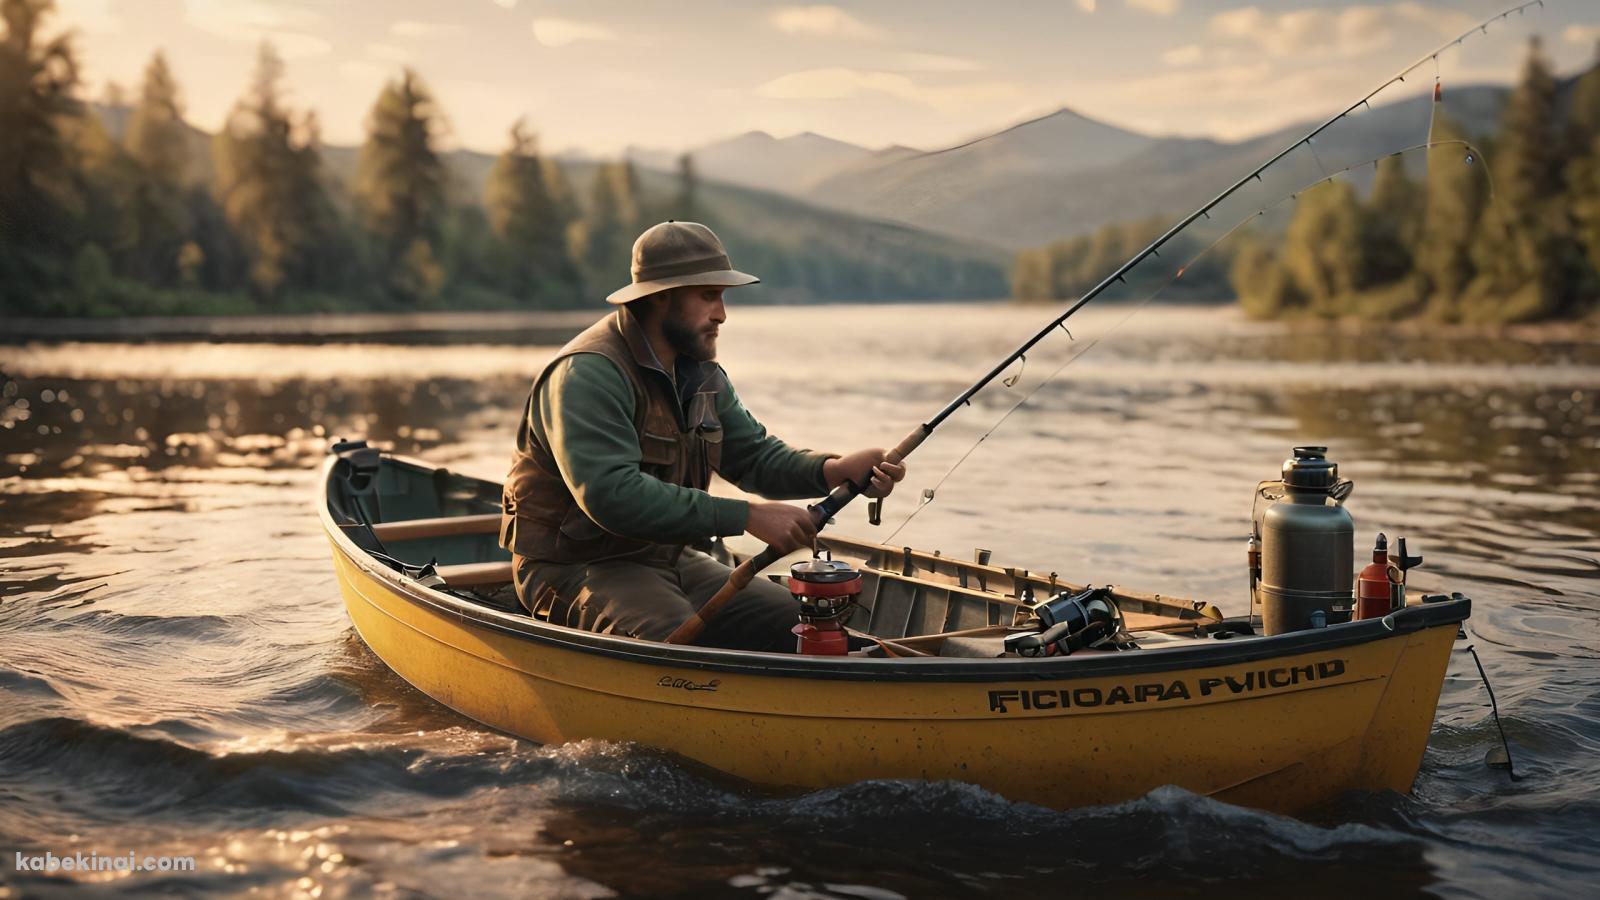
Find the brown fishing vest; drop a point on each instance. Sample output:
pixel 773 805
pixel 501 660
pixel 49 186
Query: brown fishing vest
pixel 541 520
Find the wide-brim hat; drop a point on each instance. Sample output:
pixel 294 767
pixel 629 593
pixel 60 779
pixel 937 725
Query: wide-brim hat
pixel 679 254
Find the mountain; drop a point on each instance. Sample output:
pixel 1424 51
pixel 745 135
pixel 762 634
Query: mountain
pixel 790 165
pixel 1066 174
pixel 805 252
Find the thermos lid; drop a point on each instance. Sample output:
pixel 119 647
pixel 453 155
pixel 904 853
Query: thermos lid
pixel 1310 470
pixel 822 571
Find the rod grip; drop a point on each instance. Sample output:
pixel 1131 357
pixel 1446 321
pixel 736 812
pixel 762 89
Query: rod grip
pixel 738 580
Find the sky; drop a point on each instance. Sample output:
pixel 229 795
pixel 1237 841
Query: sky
pixel 598 76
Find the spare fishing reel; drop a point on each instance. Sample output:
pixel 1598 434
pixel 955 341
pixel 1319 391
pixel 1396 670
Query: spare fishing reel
pixel 1069 622
pixel 827 590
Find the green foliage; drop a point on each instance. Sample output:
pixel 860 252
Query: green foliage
pixel 270 189
pixel 1530 268
pixel 1262 283
pixel 603 240
pixel 1453 213
pixel 1531 254
pixel 686 206
pixel 1323 248
pixel 530 222
pixel 1066 270
pixel 39 191
pixel 400 187
pixel 1391 223
pixel 158 218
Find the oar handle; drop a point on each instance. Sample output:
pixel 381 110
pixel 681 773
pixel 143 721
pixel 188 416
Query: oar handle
pixel 821 512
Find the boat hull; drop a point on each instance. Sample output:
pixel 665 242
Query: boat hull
pixel 1279 723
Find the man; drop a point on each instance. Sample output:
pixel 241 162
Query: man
pixel 617 445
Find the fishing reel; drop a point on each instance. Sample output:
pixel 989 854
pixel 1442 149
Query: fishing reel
pixel 1070 622
pixel 827 591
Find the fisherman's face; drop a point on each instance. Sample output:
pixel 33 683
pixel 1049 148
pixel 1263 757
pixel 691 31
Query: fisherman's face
pixel 693 316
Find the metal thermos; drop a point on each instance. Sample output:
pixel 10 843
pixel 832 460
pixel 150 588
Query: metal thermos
pixel 1307 546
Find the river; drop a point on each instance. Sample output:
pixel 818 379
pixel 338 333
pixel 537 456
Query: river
pixel 178 676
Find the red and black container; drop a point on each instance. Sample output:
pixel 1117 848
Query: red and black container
pixel 827 592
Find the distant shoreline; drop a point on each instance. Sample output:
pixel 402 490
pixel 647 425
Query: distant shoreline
pixel 544 327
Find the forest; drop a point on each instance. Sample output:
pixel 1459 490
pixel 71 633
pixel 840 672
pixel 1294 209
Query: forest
pixel 122 207
pixel 1435 244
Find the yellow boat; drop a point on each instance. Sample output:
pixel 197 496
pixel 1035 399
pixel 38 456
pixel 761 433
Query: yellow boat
pixel 1280 723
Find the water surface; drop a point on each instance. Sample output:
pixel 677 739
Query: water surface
pixel 178 676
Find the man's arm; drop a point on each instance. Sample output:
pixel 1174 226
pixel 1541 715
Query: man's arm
pixel 762 464
pixel 585 416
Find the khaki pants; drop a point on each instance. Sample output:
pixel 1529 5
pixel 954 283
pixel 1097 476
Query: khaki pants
pixel 649 595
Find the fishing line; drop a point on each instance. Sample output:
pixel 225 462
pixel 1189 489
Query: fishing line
pixel 930 494
pixel 1494 710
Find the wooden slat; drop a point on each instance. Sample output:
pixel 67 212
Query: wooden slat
pixel 447 526
pixel 476 574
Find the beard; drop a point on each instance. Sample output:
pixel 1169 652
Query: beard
pixel 700 346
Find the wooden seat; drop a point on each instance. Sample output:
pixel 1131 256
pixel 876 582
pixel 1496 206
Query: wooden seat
pixel 483 574
pixel 445 526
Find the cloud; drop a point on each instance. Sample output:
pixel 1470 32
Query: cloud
pixel 823 21
pixel 413 29
pixel 846 84
pixel 1332 32
pixel 933 62
pixel 1155 7
pixel 1584 35
pixel 1187 55
pixel 561 32
pixel 252 21
pixel 1086 5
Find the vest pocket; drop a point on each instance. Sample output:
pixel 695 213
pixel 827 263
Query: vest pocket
pixel 711 449
pixel 657 450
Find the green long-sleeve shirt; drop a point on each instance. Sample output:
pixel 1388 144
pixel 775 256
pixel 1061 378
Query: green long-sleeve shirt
pixel 584 414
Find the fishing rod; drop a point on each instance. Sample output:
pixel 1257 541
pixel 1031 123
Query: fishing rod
pixel 841 496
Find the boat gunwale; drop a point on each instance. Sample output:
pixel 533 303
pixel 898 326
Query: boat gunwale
pixel 945 670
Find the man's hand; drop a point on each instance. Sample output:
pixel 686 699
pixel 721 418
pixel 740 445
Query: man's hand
pixel 864 464
pixel 788 528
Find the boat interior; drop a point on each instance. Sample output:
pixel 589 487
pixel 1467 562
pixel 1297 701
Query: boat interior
pixel 442 528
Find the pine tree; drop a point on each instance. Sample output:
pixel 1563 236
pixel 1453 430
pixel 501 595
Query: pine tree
pixel 530 224
pixel 1323 251
pixel 1390 224
pixel 606 234
pixel 400 186
pixel 38 190
pixel 1452 209
pixel 1030 275
pixel 157 142
pixel 1529 268
pixel 686 207
pixel 1583 110
pixel 270 188
pixel 157 137
pixel 1583 171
